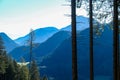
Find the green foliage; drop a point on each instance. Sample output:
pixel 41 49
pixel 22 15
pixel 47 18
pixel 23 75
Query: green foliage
pixel 24 72
pixel 2 67
pixel 34 72
pixel 45 78
pixel 11 70
pixel 1 44
pixel 9 67
pixel 2 57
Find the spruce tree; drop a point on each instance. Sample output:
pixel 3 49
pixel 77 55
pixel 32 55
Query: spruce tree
pixel 10 71
pixel 45 78
pixel 2 63
pixel 24 72
pixel 1 45
pixel 16 70
pixel 2 60
pixel 34 71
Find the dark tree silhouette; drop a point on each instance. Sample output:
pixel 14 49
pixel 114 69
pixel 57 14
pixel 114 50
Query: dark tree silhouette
pixel 74 42
pixel 34 71
pixel 116 41
pixel 91 40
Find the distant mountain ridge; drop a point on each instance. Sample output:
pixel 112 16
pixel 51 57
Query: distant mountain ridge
pixel 55 54
pixel 57 57
pixel 82 24
pixel 8 42
pixel 41 35
pixel 42 49
pixel 50 44
pixel 59 64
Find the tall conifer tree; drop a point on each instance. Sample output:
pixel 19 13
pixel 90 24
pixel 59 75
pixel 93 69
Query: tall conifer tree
pixel 34 75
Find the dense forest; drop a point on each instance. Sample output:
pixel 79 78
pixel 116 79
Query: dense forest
pixel 11 70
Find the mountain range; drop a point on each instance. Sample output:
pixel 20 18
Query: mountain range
pixel 63 56
pixel 8 42
pixel 40 35
pixel 42 49
pixel 82 23
pixel 53 51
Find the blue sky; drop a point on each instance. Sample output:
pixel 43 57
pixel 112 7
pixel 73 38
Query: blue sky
pixel 17 17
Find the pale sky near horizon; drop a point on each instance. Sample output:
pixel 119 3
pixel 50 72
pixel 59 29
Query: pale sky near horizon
pixel 17 17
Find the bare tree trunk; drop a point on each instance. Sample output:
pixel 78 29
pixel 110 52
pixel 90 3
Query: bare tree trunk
pixel 91 40
pixel 74 43
pixel 116 41
pixel 31 47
